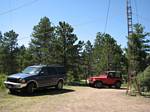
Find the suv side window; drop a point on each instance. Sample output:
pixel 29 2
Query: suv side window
pixel 52 71
pixel 114 74
pixel 44 71
pixel 61 70
pixel 111 74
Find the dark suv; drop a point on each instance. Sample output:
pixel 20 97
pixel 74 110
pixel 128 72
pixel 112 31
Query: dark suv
pixel 34 77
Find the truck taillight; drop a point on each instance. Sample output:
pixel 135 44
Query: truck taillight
pixel 92 79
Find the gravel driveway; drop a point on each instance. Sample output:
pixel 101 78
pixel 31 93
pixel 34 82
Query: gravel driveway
pixel 75 99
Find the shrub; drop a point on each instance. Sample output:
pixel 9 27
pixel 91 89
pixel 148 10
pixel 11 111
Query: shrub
pixel 70 77
pixel 144 79
pixel 2 79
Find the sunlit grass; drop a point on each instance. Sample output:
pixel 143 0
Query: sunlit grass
pixel 2 79
pixel 124 85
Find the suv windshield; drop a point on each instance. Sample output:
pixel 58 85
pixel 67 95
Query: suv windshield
pixel 31 70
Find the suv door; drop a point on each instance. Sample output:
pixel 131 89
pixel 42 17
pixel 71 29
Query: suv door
pixel 52 76
pixel 111 79
pixel 61 72
pixel 42 77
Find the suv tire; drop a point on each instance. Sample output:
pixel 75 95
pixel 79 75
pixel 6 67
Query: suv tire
pixel 12 91
pixel 30 88
pixel 59 85
pixel 98 84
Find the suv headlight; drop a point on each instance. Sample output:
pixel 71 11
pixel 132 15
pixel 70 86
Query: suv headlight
pixel 22 81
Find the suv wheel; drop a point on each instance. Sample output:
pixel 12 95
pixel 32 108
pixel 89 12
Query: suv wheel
pixel 118 85
pixel 12 91
pixel 30 88
pixel 98 84
pixel 59 85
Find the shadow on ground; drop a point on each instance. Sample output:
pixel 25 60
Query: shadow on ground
pixel 42 92
pixel 86 85
pixel 77 84
pixel 107 87
pixel 146 95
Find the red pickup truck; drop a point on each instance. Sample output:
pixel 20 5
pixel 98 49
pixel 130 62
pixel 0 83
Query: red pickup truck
pixel 109 78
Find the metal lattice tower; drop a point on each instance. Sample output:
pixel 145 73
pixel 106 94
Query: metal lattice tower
pixel 129 17
pixel 131 70
pixel 130 31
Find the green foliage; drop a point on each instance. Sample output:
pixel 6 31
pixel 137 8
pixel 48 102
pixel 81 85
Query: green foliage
pixel 24 58
pixel 66 42
pixel 87 58
pixel 42 42
pixel 138 57
pixel 138 45
pixel 1 52
pixel 9 49
pixel 68 49
pixel 60 45
pixel 2 79
pixel 107 54
pixel 144 79
pixel 70 77
pixel 49 45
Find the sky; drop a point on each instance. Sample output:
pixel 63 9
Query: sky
pixel 87 17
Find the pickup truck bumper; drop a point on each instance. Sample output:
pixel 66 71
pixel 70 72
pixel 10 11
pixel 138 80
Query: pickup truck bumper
pixel 90 83
pixel 12 85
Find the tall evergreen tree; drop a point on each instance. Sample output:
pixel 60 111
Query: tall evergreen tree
pixel 1 52
pixel 107 54
pixel 1 37
pixel 138 45
pixel 9 52
pixel 42 41
pixel 25 57
pixel 88 59
pixel 69 51
pixel 66 41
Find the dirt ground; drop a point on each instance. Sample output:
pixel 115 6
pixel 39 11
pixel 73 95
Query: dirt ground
pixel 74 99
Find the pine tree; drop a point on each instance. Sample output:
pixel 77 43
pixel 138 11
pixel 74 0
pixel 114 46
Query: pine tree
pixel 66 41
pixel 138 45
pixel 1 53
pixel 68 50
pixel 9 52
pixel 107 54
pixel 87 56
pixel 42 42
pixel 24 58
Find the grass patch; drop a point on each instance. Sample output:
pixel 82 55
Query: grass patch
pixel 124 85
pixel 146 94
pixel 77 83
pixel 2 79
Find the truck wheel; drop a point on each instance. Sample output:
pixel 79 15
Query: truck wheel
pixel 59 85
pixel 98 84
pixel 12 91
pixel 30 88
pixel 118 85
pixel 91 85
pixel 110 86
